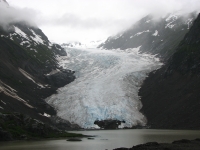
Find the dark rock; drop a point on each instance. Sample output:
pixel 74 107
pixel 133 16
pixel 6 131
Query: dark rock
pixel 108 124
pixel 149 144
pixel 183 145
pixel 5 136
pixel 63 124
pixel 24 128
pixel 181 141
pixel 61 78
pixel 90 138
pixel 24 137
pixel 122 148
pixel 170 95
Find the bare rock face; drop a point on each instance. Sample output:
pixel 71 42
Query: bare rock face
pixel 170 95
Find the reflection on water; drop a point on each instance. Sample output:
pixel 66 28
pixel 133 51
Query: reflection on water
pixel 106 139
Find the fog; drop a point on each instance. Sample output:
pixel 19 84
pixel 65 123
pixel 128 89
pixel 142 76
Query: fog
pixel 77 20
pixel 11 15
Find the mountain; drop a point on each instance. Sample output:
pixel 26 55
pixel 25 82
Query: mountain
pixel 29 71
pixel 170 95
pixel 152 35
pixel 91 44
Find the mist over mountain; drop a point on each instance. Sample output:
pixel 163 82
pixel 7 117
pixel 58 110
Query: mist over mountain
pixel 157 36
pixel 9 14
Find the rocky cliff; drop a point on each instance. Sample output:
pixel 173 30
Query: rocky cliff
pixel 170 95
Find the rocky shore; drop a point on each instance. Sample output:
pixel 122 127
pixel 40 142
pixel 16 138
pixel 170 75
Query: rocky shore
pixel 183 144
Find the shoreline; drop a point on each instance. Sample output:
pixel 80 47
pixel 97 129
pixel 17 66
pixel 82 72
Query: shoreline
pixel 183 144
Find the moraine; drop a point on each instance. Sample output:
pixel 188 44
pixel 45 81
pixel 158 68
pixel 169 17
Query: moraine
pixel 106 86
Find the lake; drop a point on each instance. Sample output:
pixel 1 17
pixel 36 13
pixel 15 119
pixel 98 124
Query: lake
pixel 105 139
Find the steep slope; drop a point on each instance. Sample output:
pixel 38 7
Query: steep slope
pixel 29 71
pixel 170 95
pixel 154 36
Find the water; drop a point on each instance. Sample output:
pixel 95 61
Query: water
pixel 106 139
pixel 106 87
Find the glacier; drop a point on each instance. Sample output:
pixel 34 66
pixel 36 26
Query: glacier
pixel 106 86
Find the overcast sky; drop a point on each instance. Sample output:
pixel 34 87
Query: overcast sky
pixel 87 20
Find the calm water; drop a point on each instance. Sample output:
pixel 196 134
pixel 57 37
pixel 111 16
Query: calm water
pixel 106 139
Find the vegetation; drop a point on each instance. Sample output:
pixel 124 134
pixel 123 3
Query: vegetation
pixel 16 126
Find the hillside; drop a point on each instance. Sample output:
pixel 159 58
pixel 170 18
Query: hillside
pixel 152 35
pixel 29 71
pixel 170 95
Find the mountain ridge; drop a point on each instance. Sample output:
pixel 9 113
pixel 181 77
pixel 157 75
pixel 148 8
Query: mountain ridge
pixel 173 91
pixel 30 72
pixel 154 36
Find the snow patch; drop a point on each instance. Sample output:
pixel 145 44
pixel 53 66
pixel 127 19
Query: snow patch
pixel 170 25
pixel 3 102
pixel 147 21
pixel 36 38
pixel 155 33
pixel 34 50
pixel 45 115
pixel 20 32
pixel 189 22
pixel 141 32
pixel 24 42
pixel 171 17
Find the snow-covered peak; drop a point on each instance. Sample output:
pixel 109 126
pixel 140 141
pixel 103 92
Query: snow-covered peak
pixel 91 44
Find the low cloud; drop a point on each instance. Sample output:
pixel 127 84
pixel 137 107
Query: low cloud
pixel 103 17
pixel 10 15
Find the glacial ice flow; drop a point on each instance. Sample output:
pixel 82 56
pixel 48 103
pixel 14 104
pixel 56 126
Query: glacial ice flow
pixel 106 86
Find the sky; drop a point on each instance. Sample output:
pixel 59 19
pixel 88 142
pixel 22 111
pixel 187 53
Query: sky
pixel 89 20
